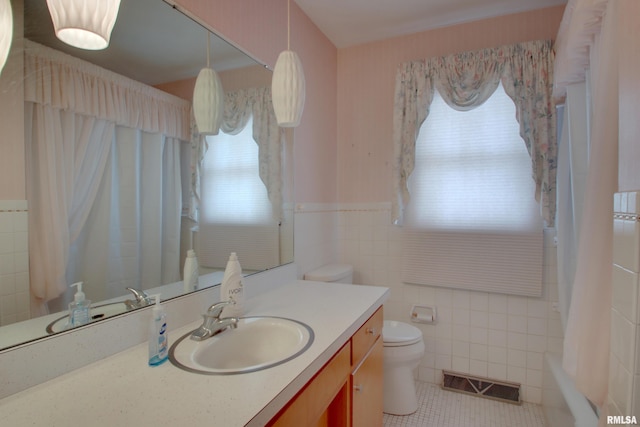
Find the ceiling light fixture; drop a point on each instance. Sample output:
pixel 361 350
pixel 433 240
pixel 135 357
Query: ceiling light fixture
pixel 85 24
pixel 6 31
pixel 208 99
pixel 287 84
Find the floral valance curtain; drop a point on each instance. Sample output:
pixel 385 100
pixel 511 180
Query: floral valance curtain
pixel 465 81
pixel 239 106
pixel 64 82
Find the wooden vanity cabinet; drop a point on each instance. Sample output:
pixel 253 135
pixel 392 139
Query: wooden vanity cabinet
pixel 367 373
pixel 347 391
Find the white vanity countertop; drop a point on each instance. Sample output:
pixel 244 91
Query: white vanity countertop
pixel 124 390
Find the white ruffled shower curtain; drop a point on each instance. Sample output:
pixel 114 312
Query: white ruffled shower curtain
pixel 76 113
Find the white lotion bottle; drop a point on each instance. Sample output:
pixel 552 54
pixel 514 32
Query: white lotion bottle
pixel 158 336
pixel 232 287
pixel 190 272
pixel 79 308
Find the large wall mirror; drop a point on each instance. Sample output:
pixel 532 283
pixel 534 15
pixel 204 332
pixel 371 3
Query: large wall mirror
pixel 138 185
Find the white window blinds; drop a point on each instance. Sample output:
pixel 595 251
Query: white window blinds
pixel 472 222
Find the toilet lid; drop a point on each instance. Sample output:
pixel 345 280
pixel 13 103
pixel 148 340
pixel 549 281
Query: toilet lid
pixel 400 333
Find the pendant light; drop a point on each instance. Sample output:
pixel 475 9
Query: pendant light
pixel 6 31
pixel 208 99
pixel 86 24
pixel 287 84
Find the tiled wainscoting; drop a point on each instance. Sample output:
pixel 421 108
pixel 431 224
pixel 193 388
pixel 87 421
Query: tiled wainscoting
pixel 494 335
pixel 14 262
pixel 624 362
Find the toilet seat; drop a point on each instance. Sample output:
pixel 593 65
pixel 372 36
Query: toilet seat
pixel 398 334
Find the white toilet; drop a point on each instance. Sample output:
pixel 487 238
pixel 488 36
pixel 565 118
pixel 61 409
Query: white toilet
pixel 403 349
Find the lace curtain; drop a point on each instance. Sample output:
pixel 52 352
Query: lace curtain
pixel 239 106
pixel 466 80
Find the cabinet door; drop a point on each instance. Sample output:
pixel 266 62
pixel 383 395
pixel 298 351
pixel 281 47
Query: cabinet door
pixel 367 395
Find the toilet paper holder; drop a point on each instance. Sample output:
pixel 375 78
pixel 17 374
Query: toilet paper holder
pixel 423 314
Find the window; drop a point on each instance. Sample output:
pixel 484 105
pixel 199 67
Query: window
pixel 232 191
pixel 473 221
pixel 236 214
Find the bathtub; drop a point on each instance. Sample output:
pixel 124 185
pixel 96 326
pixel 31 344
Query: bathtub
pixel 562 403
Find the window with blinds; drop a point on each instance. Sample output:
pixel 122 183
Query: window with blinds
pixel 235 213
pixel 473 222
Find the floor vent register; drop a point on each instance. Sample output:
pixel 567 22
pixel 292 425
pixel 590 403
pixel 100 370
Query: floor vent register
pixel 482 387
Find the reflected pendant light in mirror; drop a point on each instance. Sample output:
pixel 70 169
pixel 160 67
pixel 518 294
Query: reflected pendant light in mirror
pixel 6 30
pixel 287 85
pixel 86 24
pixel 208 99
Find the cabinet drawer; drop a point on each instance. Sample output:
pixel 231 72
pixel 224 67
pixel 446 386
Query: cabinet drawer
pixel 364 338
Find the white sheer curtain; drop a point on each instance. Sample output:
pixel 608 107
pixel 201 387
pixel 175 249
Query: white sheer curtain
pixel 573 164
pixel 134 225
pixel 586 349
pixel 66 157
pixel 76 113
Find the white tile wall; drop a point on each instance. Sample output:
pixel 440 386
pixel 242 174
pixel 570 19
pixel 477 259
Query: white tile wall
pixel 14 262
pixel 494 335
pixel 624 389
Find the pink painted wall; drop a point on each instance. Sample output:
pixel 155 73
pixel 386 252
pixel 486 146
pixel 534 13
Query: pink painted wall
pixel 260 28
pixel 366 81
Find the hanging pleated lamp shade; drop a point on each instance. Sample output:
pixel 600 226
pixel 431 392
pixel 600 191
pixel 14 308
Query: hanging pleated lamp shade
pixel 86 24
pixel 6 30
pixel 208 102
pixel 288 89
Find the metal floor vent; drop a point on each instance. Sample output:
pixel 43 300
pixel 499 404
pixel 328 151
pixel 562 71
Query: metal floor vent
pixel 481 387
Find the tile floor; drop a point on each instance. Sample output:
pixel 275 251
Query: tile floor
pixel 442 408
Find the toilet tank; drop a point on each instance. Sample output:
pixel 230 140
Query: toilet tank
pixel 338 273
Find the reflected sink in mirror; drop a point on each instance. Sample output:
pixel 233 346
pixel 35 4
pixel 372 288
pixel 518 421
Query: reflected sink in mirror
pixel 257 343
pixel 96 313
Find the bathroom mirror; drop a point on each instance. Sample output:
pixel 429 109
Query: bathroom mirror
pixel 155 44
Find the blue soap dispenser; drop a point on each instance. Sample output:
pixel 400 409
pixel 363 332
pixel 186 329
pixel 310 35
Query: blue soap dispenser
pixel 79 308
pixel 158 336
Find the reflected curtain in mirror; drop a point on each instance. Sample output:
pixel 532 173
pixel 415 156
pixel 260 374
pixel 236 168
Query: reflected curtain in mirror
pixel 76 114
pixel 216 237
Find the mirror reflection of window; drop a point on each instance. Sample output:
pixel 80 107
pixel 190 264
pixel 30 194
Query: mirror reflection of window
pixel 236 214
pixel 232 191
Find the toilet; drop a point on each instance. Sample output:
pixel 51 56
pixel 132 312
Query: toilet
pixel 403 349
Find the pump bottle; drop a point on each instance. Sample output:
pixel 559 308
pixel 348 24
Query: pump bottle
pixel 79 308
pixel 158 336
pixel 232 287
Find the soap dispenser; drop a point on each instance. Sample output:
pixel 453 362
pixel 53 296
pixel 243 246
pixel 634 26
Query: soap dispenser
pixel 79 308
pixel 158 336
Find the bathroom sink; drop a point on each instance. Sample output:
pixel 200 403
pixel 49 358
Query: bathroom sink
pixel 98 312
pixel 257 343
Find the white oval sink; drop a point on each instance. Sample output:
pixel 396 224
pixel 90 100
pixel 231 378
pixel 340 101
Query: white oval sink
pixel 257 343
pixel 95 312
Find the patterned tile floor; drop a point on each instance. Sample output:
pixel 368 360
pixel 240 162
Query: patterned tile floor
pixel 442 408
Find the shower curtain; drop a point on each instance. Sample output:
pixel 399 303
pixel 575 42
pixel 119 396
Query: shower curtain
pixel 84 126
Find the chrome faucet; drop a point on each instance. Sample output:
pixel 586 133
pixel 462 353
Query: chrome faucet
pixel 213 324
pixel 141 299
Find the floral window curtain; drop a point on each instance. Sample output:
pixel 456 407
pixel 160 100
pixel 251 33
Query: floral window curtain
pixel 465 81
pixel 239 106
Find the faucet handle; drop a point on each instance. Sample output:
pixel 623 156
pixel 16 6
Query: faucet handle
pixel 215 310
pixel 141 296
